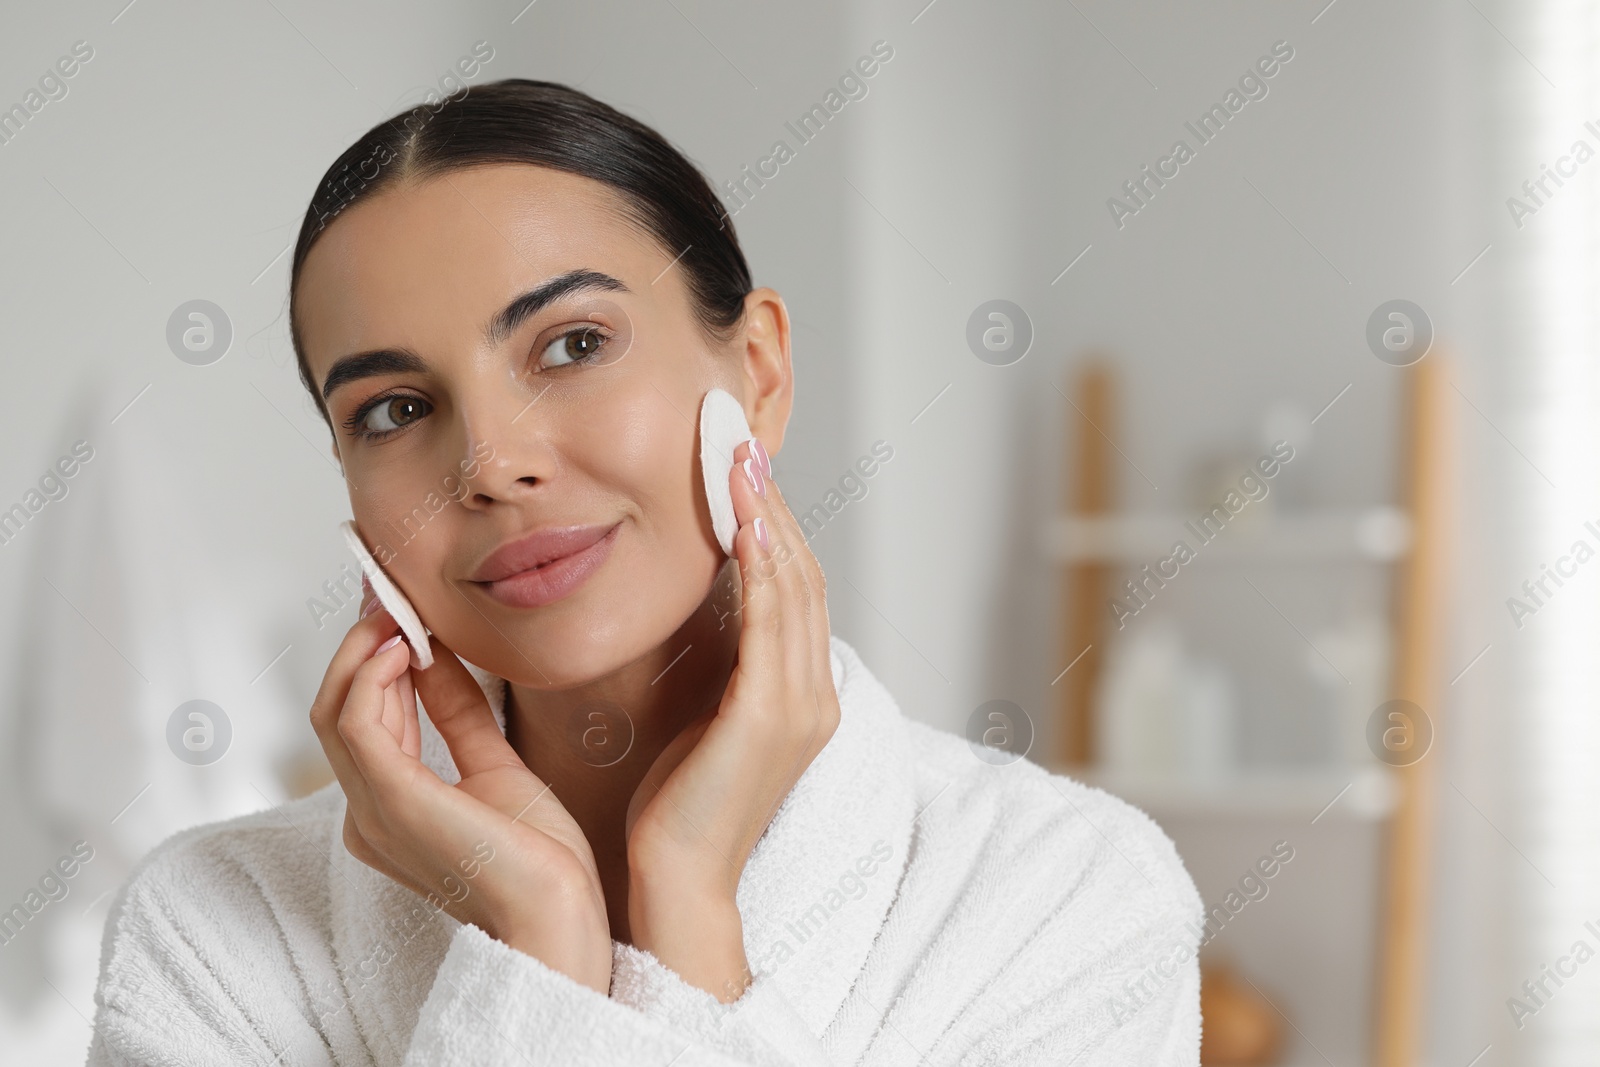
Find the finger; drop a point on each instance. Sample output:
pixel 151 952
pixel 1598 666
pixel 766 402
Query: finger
pixel 747 472
pixel 393 717
pixel 782 519
pixel 760 498
pixel 772 681
pixel 754 497
pixel 759 638
pixel 369 720
pixel 773 656
pixel 372 766
pixel 357 647
pixel 362 640
pixel 411 739
pixel 806 667
pixel 459 710
pixel 816 584
pixel 803 620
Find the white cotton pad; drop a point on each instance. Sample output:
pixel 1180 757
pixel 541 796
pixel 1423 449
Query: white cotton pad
pixel 722 428
pixel 390 596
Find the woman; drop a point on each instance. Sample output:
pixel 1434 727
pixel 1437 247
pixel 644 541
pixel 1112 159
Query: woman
pixel 655 812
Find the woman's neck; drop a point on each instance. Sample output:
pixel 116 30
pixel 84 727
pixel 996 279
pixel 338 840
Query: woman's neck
pixel 593 744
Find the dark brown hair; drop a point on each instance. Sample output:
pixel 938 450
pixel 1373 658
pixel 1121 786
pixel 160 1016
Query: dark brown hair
pixel 516 120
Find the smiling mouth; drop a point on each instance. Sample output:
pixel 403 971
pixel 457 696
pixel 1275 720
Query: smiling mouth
pixel 553 579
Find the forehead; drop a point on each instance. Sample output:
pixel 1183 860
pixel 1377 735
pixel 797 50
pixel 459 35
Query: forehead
pixel 422 262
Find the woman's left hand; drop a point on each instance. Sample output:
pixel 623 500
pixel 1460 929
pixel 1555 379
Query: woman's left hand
pixel 707 799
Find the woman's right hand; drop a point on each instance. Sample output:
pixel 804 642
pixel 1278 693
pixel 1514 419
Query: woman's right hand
pixel 497 850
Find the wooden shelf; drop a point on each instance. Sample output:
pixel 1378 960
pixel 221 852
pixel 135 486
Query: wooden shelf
pixel 1365 793
pixel 1377 534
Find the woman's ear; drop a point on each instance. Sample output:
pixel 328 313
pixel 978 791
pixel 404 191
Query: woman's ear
pixel 769 385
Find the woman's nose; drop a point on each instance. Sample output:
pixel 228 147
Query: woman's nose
pixel 504 451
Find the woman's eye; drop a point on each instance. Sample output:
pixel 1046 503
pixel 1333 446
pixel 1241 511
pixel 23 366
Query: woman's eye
pixel 390 414
pixel 575 346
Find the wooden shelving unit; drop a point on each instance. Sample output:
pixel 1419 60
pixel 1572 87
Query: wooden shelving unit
pixel 1093 542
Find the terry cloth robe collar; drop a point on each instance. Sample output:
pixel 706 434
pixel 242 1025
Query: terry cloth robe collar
pixel 803 928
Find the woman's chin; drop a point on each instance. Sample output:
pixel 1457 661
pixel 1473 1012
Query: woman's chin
pixel 562 657
pixel 554 666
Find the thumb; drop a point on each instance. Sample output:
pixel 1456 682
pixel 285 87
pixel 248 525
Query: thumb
pixel 458 709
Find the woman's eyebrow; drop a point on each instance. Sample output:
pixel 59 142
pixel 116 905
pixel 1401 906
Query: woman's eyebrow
pixel 533 301
pixel 351 368
pixel 371 364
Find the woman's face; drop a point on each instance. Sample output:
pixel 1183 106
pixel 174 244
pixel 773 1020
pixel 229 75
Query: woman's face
pixel 461 428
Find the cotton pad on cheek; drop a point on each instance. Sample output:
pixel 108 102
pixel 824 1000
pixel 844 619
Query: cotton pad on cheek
pixel 722 428
pixel 393 600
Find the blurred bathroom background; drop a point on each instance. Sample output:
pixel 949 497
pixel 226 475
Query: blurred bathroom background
pixel 1371 269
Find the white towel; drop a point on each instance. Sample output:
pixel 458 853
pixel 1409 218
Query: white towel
pixel 909 904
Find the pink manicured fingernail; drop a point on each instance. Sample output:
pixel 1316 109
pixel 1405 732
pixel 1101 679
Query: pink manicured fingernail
pixel 752 470
pixel 372 606
pixel 761 531
pixel 387 645
pixel 759 450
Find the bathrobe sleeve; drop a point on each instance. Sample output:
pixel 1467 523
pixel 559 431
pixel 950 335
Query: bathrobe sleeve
pixel 199 967
pixel 760 1023
pixel 493 1005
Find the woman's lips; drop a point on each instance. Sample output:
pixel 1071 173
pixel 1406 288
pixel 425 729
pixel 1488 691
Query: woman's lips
pixel 553 580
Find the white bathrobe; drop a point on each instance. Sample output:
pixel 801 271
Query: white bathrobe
pixel 909 903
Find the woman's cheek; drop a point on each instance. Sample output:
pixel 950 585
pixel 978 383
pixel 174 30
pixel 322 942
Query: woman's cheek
pixel 659 463
pixel 643 446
